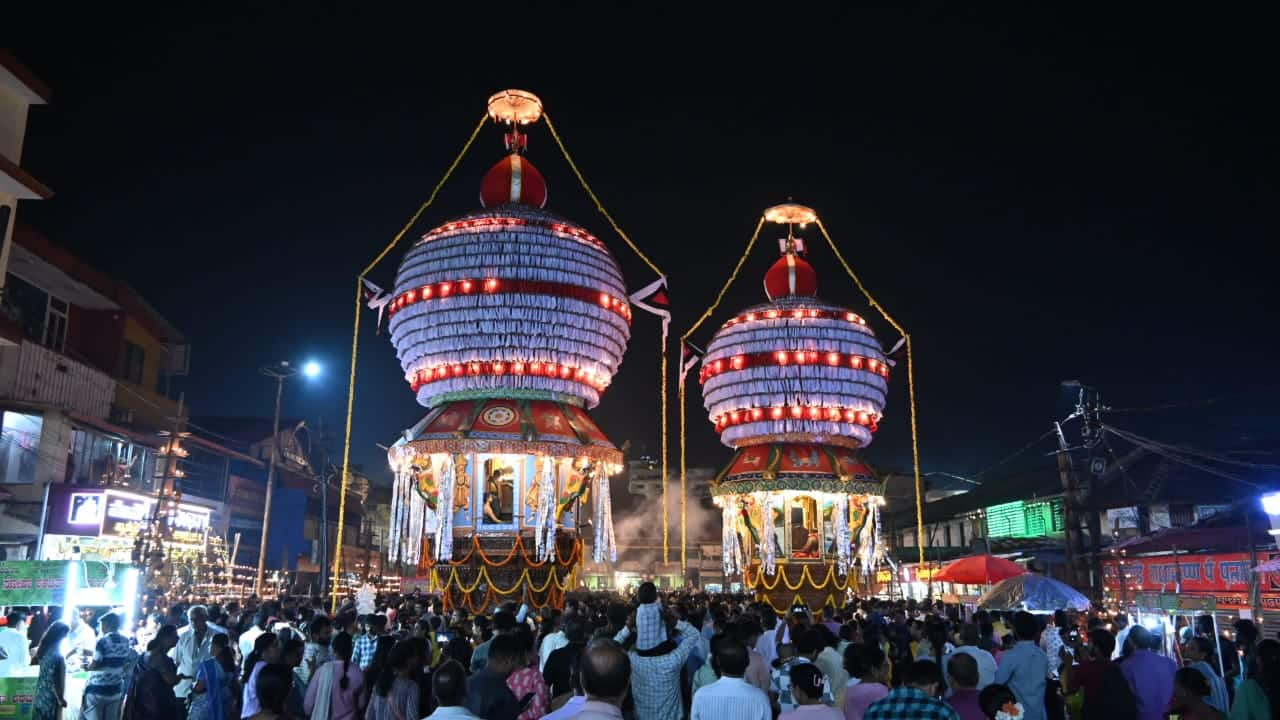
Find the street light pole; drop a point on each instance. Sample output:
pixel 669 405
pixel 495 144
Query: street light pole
pixel 279 372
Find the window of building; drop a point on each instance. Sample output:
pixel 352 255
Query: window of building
pixel 19 447
pixel 55 324
pixel 135 359
pixel 27 305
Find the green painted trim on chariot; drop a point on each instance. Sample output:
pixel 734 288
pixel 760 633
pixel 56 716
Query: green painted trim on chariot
pixel 509 394
pixel 799 484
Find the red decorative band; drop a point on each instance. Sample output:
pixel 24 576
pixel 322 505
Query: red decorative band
pixel 496 368
pixel 797 314
pixel 786 357
pixel 501 222
pixel 498 286
pixel 797 412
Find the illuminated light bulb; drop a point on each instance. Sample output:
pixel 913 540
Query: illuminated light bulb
pixel 855 362
pixel 815 413
pixel 851 416
pixel 426 292
pixel 801 356
pixel 737 361
pixel 797 412
pixel 411 296
pixel 719 366
pixel 499 368
pixel 735 416
pixel 604 299
pixel 751 317
pixel 851 317
pixel 466 286
pixel 813 313
pixel 517 368
pixel 535 368
pixel 833 359
pixel 458 370
pixel 475 368
pixel 776 413
pixel 566 372
pixel 813 356
pixel 864 418
pixel 756 413
pixel 445 289
pixel 797 314
pixel 782 357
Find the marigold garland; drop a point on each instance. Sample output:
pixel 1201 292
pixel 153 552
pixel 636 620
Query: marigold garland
pixel 575 555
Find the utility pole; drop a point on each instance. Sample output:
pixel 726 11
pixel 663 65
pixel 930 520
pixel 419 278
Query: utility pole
pixel 280 373
pixel 1082 562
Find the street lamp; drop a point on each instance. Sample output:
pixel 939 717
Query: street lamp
pixel 280 371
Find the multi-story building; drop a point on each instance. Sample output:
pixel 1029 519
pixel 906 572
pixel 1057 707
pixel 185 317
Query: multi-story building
pixel 19 90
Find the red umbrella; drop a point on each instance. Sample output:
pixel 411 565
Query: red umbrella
pixel 979 570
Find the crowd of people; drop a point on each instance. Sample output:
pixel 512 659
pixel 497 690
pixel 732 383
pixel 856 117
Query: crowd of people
pixel 682 656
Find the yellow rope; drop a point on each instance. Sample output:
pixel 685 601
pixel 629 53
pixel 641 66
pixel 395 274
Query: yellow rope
pixel 663 372
pixel 599 206
pixel 734 276
pixel 355 347
pixel 911 386
pixel 681 399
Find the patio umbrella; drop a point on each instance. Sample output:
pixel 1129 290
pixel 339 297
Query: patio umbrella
pixel 1033 593
pixel 979 570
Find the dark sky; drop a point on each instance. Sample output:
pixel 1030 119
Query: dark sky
pixel 1036 194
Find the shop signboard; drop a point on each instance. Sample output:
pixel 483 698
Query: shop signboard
pixel 32 582
pixel 17 694
pixel 1224 577
pixel 125 516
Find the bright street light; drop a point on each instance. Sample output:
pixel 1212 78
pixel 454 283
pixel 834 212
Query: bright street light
pixel 311 369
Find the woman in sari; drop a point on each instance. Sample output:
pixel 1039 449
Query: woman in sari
pixel 209 696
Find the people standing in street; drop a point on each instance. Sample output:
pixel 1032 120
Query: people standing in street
pixel 731 697
pixel 916 698
pixel 195 645
pixel 113 661
pixel 869 665
pixel 1150 675
pixel 807 681
pixel 449 686
pixel 52 682
pixel 606 676
pixel 15 648
pixel 963 680
pixel 336 690
pixel 662 646
pixel 1024 667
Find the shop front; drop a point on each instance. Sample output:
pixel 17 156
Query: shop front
pixel 102 524
pixel 1225 577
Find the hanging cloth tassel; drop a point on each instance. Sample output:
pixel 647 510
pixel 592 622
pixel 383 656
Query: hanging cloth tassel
pixel 444 510
pixel 844 540
pixel 731 545
pixel 766 548
pixel 605 545
pixel 544 523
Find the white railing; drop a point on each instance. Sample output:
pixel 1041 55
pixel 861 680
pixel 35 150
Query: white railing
pixel 40 375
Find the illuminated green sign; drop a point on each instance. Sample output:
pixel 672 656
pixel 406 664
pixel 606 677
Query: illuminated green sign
pixel 1021 519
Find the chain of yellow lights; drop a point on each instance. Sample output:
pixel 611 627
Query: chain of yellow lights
pixel 911 385
pixel 681 400
pixel 355 347
pixel 662 383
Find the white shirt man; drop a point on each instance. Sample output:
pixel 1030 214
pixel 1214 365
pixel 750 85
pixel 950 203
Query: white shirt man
pixel 969 646
pixel 194 646
pixel 15 650
pixel 550 644
pixel 731 697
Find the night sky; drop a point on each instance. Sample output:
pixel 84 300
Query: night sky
pixel 1035 195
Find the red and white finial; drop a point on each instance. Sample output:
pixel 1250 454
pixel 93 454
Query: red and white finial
pixel 791 275
pixel 514 179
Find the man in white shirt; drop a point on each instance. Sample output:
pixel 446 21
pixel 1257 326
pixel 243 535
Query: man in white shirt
pixel 15 649
pixel 194 647
pixel 552 642
pixel 250 636
pixel 969 634
pixel 606 675
pixel 767 645
pixel 731 697
pixel 449 683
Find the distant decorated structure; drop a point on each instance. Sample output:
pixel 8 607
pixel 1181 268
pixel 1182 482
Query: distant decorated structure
pixel 796 386
pixel 509 323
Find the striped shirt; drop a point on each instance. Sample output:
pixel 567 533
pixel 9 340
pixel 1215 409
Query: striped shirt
pixel 731 698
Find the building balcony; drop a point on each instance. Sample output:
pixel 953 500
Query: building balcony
pixel 32 373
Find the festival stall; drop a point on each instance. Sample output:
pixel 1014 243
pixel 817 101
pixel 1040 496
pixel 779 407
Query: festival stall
pixel 70 585
pixel 1033 593
pixel 510 322
pixel 796 387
